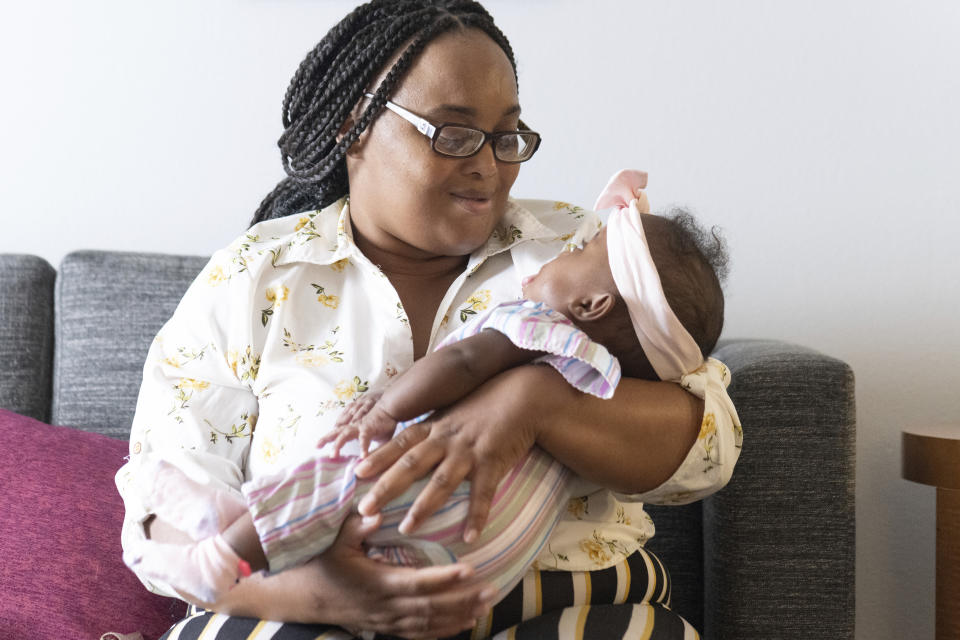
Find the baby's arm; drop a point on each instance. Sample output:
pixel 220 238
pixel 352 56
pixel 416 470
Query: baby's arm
pixel 441 378
pixel 436 380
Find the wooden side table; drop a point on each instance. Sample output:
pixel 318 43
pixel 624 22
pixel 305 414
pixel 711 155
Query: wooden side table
pixel 931 455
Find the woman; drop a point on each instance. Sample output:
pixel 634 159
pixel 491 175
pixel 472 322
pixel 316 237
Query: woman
pixel 307 312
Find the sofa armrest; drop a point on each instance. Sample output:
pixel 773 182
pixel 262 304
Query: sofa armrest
pixel 779 540
pixel 26 334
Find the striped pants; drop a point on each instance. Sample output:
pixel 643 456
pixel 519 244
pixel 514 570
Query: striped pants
pixel 629 600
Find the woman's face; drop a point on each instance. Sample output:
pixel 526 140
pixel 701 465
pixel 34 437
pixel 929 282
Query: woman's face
pixel 405 198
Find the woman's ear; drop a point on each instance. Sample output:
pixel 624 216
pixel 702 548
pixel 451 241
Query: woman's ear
pixel 346 126
pixel 348 123
pixel 592 307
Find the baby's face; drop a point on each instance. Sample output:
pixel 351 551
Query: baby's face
pixel 571 276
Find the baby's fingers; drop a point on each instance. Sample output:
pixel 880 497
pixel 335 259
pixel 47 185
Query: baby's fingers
pixel 345 436
pixel 326 439
pixel 347 415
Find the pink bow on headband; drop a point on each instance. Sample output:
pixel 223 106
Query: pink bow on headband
pixel 668 346
pixel 625 185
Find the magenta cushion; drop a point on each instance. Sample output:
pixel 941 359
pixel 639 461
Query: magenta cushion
pixel 61 573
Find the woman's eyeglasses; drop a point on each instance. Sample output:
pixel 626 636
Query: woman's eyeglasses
pixel 458 141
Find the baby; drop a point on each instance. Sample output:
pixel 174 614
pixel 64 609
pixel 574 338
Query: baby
pixel 643 295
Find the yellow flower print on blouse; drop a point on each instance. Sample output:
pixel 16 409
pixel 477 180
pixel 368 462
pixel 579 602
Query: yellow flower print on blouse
pixel 577 507
pixel 324 298
pixel 708 440
pixel 240 429
pixel 306 230
pixel 311 355
pixel 708 427
pixel 340 265
pixel 233 358
pixel 248 365
pixel 600 550
pixel 312 359
pixel 348 390
pixel 477 302
pixel 575 211
pixel 185 388
pixel 402 315
pixel 269 451
pixel 183 356
pixel 507 235
pixel 217 276
pixel 243 251
pixel 190 383
pixel 275 296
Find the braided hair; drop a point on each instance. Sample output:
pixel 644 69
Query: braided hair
pixel 334 76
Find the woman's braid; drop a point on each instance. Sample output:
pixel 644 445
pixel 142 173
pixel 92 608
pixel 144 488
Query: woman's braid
pixel 332 79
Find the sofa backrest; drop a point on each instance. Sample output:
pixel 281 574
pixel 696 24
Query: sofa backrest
pixel 26 334
pixel 109 307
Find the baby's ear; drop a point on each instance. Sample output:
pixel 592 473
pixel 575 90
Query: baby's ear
pixel 592 307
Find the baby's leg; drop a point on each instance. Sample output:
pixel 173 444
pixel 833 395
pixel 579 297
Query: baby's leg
pixel 298 514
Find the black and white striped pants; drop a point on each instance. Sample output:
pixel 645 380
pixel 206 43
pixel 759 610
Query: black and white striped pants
pixel 630 600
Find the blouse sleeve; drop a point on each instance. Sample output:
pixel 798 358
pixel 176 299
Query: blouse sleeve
pixel 196 409
pixel 709 463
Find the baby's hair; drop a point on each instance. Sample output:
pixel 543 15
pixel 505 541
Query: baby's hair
pixel 334 76
pixel 692 263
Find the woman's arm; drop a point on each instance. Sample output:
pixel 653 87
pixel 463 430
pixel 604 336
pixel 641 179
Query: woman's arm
pixel 630 443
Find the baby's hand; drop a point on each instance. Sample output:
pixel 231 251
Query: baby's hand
pixel 362 419
pixel 357 409
pixel 376 426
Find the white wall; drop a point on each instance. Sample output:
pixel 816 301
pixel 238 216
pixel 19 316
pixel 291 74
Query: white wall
pixel 823 136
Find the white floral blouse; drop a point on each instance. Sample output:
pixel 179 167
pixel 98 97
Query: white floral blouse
pixel 291 322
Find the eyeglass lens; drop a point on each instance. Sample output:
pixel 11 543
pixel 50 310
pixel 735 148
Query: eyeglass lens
pixel 464 141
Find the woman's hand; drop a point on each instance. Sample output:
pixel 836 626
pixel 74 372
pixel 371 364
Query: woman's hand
pixel 478 439
pixel 344 587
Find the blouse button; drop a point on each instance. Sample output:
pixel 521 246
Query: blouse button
pixel 136 447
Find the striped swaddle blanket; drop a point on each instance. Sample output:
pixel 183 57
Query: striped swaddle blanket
pixel 298 512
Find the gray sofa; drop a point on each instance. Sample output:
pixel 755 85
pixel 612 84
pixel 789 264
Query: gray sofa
pixel 770 556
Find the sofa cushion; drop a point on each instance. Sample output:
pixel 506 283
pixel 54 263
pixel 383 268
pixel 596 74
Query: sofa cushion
pixel 62 575
pixel 110 305
pixel 26 334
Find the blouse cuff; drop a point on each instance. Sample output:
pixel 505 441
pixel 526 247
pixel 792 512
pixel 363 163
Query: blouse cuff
pixel 709 463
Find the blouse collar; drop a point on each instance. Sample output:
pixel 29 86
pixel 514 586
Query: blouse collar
pixel 325 236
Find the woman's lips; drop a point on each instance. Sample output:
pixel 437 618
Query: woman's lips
pixel 473 202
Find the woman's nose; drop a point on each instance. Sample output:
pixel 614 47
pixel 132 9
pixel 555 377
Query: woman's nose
pixel 484 162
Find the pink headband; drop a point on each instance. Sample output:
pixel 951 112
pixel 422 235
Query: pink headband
pixel 669 347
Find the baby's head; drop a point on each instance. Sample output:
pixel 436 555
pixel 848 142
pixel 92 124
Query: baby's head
pixel 690 261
